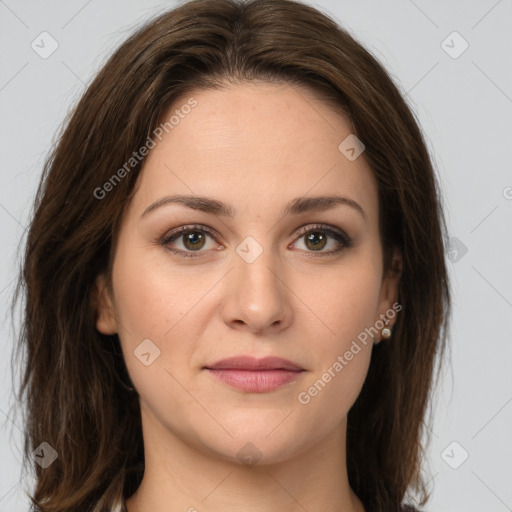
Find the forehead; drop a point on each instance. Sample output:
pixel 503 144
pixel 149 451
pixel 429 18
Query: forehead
pixel 247 142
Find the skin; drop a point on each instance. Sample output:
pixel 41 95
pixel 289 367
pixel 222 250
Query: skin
pixel 255 147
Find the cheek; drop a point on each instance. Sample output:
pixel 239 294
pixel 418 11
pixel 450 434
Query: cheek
pixel 151 308
pixel 341 302
pixel 347 305
pixel 342 356
pixel 149 311
pixel 151 296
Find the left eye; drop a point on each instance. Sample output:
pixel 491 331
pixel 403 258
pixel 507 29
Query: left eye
pixel 317 239
pixel 193 239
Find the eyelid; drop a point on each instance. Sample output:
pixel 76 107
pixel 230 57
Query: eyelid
pixel 306 228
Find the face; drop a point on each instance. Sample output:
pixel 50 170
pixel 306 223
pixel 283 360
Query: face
pixel 249 279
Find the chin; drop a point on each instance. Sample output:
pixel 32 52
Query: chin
pixel 257 445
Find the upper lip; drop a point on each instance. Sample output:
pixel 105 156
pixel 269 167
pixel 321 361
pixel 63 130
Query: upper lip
pixel 252 363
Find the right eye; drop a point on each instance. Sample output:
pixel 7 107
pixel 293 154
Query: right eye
pixel 192 238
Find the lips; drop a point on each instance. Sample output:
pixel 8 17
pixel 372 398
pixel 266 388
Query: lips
pixel 252 363
pixel 252 375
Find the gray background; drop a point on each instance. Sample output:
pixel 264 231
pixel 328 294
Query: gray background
pixel 464 104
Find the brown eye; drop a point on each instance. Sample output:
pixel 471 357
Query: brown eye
pixel 316 240
pixel 317 237
pixel 192 238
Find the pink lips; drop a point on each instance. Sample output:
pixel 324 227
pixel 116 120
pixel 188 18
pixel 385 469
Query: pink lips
pixel 255 375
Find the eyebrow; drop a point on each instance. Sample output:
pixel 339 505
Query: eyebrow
pixel 294 207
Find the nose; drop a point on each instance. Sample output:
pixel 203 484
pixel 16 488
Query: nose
pixel 257 296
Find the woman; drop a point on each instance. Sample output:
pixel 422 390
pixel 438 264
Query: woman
pixel 234 280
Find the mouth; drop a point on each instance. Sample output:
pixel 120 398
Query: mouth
pixel 255 375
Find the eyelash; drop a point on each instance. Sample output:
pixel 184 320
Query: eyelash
pixel 344 240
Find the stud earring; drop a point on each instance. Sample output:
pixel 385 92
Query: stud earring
pixel 386 332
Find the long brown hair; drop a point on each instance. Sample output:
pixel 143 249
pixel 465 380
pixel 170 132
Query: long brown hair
pixel 75 382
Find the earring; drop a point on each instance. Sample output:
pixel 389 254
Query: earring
pixel 386 332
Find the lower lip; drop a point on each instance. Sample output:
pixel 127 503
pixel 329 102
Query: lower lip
pixel 255 381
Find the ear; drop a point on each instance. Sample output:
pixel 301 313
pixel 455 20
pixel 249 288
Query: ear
pixel 103 306
pixel 389 288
